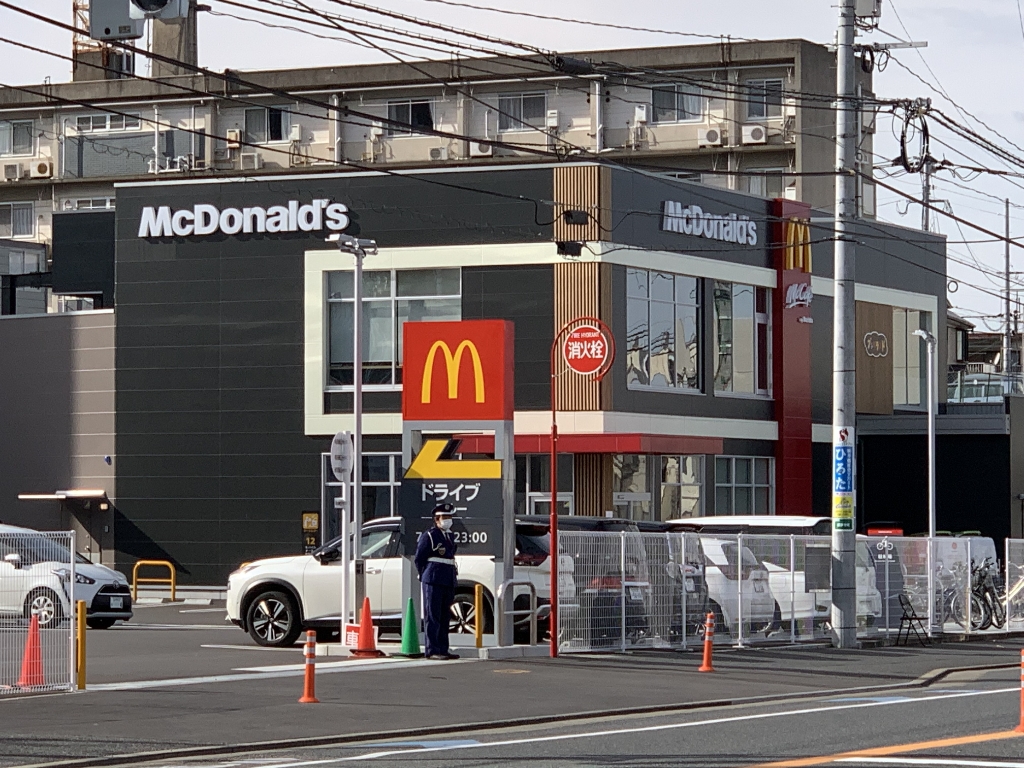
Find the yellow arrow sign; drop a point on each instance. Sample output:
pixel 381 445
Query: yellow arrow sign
pixel 428 465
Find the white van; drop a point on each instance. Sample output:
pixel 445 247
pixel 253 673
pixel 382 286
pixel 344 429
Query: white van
pixel 35 576
pixel 789 586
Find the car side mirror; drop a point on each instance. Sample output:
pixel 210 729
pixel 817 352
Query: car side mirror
pixel 14 559
pixel 329 556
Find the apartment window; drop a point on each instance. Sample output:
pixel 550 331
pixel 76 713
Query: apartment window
pixel 521 111
pixel 92 204
pixel 25 262
pixel 742 338
pixel 766 182
pixel 94 123
pixel 265 124
pixel 678 103
pixel 682 479
pixel 16 137
pixel 417 115
pixel 663 330
pixel 744 485
pixel 390 298
pixel 17 220
pixel 764 98
pixel 907 357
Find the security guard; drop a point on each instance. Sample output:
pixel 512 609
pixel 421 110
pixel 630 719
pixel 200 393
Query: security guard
pixel 435 563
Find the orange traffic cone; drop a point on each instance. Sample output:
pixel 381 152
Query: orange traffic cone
pixel 32 661
pixel 367 643
pixel 309 686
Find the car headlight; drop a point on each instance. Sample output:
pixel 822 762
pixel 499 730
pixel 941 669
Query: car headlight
pixel 64 574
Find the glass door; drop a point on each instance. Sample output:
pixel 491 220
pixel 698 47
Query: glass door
pixel 541 504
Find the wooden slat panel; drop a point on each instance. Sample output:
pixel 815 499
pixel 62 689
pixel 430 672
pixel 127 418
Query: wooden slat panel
pixel 579 187
pixel 874 371
pixel 593 484
pixel 577 294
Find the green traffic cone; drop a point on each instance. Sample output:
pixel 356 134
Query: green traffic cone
pixel 410 634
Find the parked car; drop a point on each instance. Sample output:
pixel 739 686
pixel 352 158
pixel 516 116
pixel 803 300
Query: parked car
pixel 983 388
pixel 738 588
pixel 274 599
pixel 34 578
pixel 682 585
pixel 795 586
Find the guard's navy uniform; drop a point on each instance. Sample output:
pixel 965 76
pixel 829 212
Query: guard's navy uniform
pixel 435 563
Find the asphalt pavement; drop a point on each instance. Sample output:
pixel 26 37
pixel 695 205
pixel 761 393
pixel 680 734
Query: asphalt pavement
pixel 180 676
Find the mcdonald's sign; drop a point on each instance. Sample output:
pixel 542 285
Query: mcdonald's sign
pixel 797 244
pixel 457 371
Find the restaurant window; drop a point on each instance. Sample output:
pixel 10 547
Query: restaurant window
pixel 631 486
pixel 390 298
pixel 662 330
pixel 682 479
pixel 742 338
pixel 744 485
pixel 382 479
pixel 907 356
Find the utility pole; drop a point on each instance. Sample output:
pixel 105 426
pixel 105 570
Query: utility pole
pixel 844 400
pixel 1008 334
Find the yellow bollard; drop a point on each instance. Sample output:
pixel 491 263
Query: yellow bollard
pixel 80 646
pixel 478 607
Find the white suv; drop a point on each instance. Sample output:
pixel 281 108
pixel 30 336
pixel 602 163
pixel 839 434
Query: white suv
pixel 34 575
pixel 276 598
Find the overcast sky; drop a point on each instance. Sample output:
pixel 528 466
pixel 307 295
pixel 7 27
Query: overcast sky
pixel 975 55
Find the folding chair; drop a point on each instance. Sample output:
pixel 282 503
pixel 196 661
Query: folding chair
pixel 908 621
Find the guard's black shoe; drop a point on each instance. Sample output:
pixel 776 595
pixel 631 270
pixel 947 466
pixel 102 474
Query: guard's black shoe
pixel 452 656
pixel 437 657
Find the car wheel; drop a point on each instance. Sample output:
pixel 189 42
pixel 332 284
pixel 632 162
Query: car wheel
pixel 463 620
pixel 273 619
pixel 45 604
pixel 100 623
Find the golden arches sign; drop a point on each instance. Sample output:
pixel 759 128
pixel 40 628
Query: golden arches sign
pixel 798 244
pixel 453 364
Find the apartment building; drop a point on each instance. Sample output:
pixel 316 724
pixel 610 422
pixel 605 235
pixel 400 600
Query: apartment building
pixel 750 117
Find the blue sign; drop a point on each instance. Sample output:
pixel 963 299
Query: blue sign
pixel 842 473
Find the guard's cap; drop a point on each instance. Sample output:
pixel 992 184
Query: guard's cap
pixel 444 509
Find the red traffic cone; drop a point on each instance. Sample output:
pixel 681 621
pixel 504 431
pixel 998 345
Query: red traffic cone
pixel 32 661
pixel 367 643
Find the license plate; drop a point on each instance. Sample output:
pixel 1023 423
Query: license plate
pixel 635 593
pixel 116 603
pixel 759 586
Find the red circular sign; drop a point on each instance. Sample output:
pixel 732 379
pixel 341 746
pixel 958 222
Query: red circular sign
pixel 585 349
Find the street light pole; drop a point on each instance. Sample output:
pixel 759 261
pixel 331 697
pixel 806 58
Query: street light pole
pixel 931 342
pixel 358 248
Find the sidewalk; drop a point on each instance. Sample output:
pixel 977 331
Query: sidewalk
pixel 432 694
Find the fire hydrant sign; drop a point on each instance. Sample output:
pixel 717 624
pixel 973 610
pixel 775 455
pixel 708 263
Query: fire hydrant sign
pixel 585 349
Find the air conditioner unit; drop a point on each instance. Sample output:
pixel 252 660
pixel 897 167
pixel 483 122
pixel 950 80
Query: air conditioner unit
pixel 439 153
pixel 376 130
pixel 12 171
pixel 481 149
pixel 234 138
pixel 251 161
pixel 709 137
pixel 295 132
pixel 41 169
pixel 755 134
pixel 551 121
pixel 640 114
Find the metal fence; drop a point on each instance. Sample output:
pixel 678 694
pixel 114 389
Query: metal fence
pixel 654 590
pixel 36 612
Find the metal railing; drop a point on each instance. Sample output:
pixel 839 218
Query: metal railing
pixel 37 627
pixel 136 579
pixel 652 590
pixel 508 588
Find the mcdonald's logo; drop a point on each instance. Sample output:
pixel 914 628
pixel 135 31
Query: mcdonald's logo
pixel 452 364
pixel 457 371
pixel 797 244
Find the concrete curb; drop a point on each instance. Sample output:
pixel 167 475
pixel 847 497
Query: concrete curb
pixel 925 680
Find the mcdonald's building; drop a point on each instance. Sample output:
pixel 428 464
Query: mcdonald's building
pixel 199 403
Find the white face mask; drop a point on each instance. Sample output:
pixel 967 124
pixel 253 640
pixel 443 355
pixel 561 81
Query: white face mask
pixel 445 524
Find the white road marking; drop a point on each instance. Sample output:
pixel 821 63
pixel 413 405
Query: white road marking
pixel 644 729
pixel 284 670
pixel 296 650
pixel 929 761
pixel 204 610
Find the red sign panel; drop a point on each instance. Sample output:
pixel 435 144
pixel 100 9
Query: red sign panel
pixel 585 349
pixel 458 371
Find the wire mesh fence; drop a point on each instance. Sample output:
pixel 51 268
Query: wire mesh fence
pixel 654 590
pixel 36 612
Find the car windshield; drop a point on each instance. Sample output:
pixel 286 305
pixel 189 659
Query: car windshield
pixel 375 543
pixel 36 549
